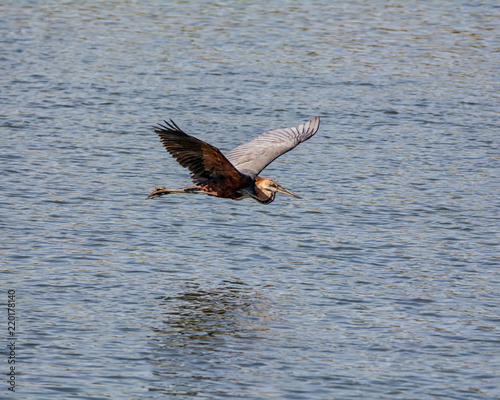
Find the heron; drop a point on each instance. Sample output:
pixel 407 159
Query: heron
pixel 235 175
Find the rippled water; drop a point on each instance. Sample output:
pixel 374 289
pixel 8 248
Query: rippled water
pixel 382 282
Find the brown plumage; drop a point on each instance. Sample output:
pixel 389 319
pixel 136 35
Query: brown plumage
pixel 235 176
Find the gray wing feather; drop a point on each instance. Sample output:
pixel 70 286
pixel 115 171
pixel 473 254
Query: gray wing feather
pixel 252 157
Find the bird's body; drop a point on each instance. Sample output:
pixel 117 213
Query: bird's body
pixel 234 176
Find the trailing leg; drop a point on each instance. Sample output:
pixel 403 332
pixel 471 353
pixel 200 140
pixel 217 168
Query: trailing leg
pixel 162 192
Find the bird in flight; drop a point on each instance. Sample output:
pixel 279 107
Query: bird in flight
pixel 235 175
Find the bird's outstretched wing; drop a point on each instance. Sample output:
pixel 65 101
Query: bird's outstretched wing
pixel 205 162
pixel 252 157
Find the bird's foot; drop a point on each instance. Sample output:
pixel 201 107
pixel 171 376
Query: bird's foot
pixel 157 192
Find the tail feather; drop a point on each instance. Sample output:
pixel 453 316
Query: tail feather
pixel 162 192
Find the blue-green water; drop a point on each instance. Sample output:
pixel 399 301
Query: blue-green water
pixel 381 283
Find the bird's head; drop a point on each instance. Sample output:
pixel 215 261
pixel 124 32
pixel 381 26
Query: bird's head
pixel 270 188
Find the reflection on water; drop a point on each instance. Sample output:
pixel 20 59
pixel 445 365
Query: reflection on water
pixel 382 282
pixel 208 336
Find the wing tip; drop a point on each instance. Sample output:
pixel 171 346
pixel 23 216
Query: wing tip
pixel 309 128
pixel 170 127
pixel 314 124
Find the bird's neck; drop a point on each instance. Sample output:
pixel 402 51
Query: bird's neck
pixel 261 195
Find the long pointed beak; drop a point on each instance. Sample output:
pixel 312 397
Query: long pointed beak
pixel 281 189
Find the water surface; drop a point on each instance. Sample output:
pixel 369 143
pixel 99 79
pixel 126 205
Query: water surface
pixel 382 282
